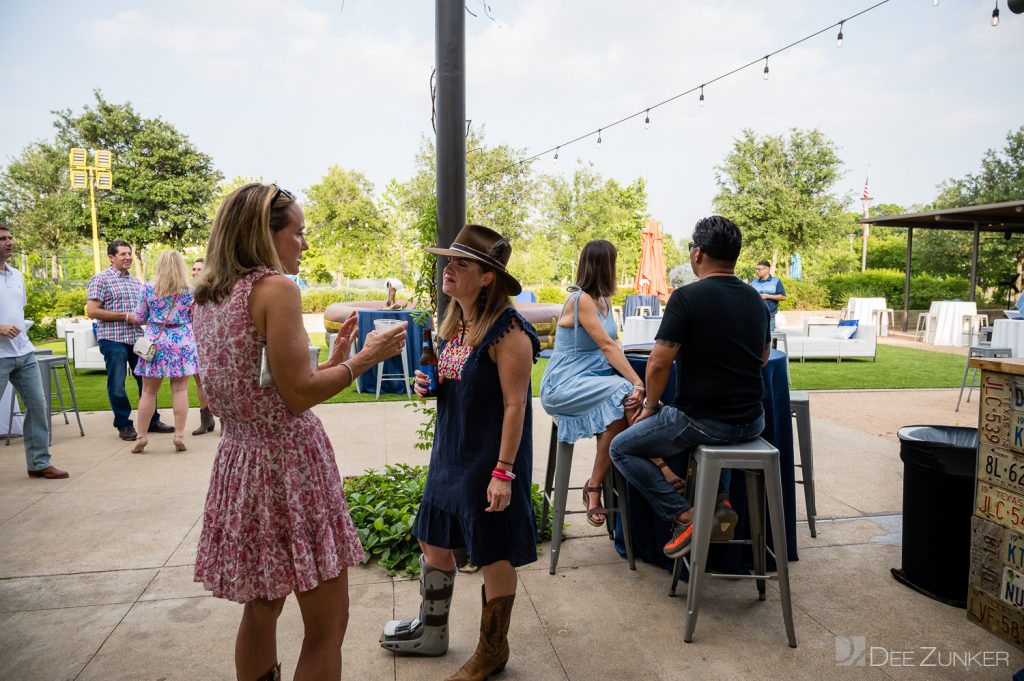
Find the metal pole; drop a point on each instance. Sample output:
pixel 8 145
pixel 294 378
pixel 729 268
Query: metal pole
pixel 450 122
pixel 95 225
pixel 906 281
pixel 974 262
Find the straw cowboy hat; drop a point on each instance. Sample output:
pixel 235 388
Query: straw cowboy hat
pixel 488 248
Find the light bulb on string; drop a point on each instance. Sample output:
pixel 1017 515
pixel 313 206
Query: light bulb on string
pixel 599 138
pixel 555 159
pixel 995 14
pixel 700 101
pixel 766 67
pixel 839 38
pixel 935 3
pixel 647 120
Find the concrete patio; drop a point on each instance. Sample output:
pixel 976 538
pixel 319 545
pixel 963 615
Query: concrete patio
pixel 96 572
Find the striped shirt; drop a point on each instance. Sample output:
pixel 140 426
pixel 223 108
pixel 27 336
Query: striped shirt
pixel 116 292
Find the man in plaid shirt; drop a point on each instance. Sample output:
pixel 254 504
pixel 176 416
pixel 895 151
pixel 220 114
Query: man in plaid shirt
pixel 112 296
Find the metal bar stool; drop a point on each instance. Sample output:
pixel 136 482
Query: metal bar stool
pixel 49 372
pixel 924 326
pixel 971 325
pixel 383 325
pixel 556 492
pixel 800 403
pixel 760 461
pixel 779 338
pixel 983 351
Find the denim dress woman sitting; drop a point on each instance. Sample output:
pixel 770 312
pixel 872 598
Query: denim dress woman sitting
pixel 589 385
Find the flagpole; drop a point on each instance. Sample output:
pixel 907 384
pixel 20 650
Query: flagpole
pixel 865 197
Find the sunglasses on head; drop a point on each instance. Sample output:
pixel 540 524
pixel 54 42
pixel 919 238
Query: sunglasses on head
pixel 280 192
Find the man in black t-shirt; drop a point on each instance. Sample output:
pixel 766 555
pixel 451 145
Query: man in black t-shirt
pixel 718 326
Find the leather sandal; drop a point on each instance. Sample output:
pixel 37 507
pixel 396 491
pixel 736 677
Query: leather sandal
pixel 597 510
pixel 678 484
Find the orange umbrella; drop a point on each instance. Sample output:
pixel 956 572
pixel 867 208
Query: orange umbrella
pixel 650 276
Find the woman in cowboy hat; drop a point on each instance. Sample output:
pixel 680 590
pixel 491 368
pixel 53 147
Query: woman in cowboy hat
pixel 477 494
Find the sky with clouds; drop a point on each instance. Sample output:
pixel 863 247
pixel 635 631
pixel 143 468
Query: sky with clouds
pixel 283 90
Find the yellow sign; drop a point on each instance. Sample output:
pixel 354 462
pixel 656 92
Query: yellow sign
pixel 103 159
pixel 78 157
pixel 104 180
pixel 79 179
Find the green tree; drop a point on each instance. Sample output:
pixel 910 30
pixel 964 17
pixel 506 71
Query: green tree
pixel 780 191
pixel 348 236
pixel 162 182
pixel 587 207
pixel 37 199
pixel 1000 178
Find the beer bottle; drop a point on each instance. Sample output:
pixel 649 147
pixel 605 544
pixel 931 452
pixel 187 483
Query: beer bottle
pixel 428 363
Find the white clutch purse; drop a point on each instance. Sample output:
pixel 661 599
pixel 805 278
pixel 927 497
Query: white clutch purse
pixel 267 378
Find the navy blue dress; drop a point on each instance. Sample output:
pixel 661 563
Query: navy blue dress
pixel 467 439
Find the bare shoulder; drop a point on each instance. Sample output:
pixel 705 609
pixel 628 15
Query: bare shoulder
pixel 273 288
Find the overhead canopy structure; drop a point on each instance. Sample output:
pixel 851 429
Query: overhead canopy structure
pixel 1006 217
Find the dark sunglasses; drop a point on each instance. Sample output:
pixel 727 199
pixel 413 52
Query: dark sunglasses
pixel 690 246
pixel 278 193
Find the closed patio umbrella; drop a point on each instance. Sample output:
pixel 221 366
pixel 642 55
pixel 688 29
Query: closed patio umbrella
pixel 650 276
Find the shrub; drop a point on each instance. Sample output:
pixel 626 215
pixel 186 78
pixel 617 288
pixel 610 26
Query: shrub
pixel 888 284
pixel 550 294
pixel 47 302
pixel 383 508
pixel 803 295
pixel 318 299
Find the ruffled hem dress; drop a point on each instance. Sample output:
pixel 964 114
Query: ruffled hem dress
pixel 467 440
pixel 275 519
pixel 580 389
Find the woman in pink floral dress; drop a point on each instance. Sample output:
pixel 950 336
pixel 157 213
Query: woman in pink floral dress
pixel 275 520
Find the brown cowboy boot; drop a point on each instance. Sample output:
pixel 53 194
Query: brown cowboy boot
pixel 205 422
pixel 492 650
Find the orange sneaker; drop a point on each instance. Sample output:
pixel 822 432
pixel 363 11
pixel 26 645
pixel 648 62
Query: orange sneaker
pixel 725 520
pixel 679 544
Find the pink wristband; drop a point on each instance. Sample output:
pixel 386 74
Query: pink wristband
pixel 503 475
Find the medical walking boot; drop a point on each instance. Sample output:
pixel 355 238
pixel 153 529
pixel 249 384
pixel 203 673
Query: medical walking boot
pixel 491 653
pixel 427 634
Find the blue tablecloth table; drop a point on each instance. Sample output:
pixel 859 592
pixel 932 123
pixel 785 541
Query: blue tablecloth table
pixel 413 340
pixel 633 302
pixel 651 532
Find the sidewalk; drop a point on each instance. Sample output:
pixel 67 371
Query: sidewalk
pixel 96 571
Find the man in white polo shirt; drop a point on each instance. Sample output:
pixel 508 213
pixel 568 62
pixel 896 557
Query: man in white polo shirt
pixel 18 364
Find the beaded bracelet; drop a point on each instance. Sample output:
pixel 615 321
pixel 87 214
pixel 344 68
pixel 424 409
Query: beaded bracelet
pixel 507 476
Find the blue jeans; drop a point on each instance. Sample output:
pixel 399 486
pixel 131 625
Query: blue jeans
pixel 671 433
pixel 120 359
pixel 23 372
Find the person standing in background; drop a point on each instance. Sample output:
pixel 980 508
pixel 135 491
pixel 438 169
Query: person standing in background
pixel 206 422
pixel 112 295
pixel 771 289
pixel 18 365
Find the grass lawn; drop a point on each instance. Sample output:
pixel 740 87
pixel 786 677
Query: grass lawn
pixel 894 368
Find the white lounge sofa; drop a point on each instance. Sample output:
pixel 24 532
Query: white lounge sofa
pixel 82 347
pixel 815 340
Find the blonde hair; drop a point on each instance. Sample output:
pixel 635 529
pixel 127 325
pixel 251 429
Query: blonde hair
pixel 241 239
pixel 171 276
pixel 489 307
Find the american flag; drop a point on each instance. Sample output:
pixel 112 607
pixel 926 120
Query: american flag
pixel 867 191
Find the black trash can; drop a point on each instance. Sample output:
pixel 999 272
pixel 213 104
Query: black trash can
pixel 938 502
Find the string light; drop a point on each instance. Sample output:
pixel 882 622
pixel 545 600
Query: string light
pixel 697 88
pixel 839 39
pixel 647 120
pixel 995 14
pixel 555 159
pixel 935 3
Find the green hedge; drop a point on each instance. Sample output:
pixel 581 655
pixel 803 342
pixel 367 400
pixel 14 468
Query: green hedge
pixel 803 295
pixel 317 299
pixel 47 302
pixel 888 284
